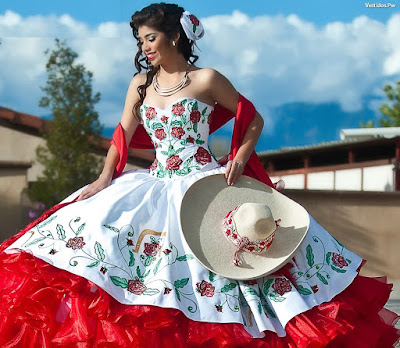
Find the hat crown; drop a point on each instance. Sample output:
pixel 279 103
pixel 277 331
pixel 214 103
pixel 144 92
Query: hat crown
pixel 254 221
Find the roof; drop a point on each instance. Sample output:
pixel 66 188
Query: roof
pixel 35 124
pixel 369 133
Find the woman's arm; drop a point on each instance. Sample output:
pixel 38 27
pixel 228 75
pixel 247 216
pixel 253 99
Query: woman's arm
pixel 129 124
pixel 222 92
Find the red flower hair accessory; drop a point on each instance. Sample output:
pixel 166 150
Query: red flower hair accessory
pixel 259 222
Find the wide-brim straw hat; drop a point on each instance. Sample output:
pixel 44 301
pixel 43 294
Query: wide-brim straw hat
pixel 205 205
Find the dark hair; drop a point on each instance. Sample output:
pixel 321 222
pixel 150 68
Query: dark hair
pixel 165 18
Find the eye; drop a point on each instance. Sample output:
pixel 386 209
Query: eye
pixel 152 38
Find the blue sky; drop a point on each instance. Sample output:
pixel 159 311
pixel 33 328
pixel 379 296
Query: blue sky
pixel 311 67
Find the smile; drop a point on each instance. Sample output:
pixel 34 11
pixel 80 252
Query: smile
pixel 150 56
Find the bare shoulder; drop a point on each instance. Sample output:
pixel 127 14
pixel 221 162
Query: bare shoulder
pixel 138 79
pixel 218 87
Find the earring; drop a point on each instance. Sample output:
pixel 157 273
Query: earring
pixel 173 43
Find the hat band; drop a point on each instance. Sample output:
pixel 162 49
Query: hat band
pixel 257 246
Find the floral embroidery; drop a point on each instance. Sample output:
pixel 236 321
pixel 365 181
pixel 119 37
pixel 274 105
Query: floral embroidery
pixel 151 113
pixel 164 119
pixel 195 116
pixel 282 286
pixel 129 241
pixel 205 288
pixel 136 287
pixel 218 308
pixel 75 243
pixel 194 20
pixel 167 291
pixel 314 288
pixel 177 132
pixel 167 251
pixel 103 270
pixel 151 249
pixel 178 109
pixel 339 260
pixel 173 162
pixel 154 164
pixel 190 139
pixel 202 156
pixel 160 133
pixel 53 251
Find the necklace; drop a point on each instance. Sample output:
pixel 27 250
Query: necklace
pixel 166 92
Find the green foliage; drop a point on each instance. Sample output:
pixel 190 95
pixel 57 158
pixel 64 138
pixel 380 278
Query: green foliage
pixel 390 110
pixel 68 157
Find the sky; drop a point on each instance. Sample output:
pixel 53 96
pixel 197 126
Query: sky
pixel 311 67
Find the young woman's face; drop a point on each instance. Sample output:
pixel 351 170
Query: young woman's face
pixel 155 45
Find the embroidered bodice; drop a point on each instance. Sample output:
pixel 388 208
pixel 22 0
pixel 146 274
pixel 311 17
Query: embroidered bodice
pixel 180 137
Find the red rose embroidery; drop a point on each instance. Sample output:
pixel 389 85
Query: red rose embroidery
pixel 103 270
pixel 195 116
pixel 177 132
pixel 218 308
pixel 314 288
pixel 164 119
pixel 194 20
pixel 151 249
pixel 167 291
pixel 76 243
pixel 167 251
pixel 160 133
pixel 202 156
pixel 136 287
pixel 53 251
pixel 339 260
pixel 154 165
pixel 251 282
pixel 282 285
pixel 129 241
pixel 210 117
pixel 151 113
pixel 190 139
pixel 205 289
pixel 178 109
pixel 173 162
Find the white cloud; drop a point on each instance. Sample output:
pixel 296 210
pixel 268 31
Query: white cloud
pixel 272 60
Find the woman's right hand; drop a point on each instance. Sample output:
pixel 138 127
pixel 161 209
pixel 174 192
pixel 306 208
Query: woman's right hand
pixel 96 186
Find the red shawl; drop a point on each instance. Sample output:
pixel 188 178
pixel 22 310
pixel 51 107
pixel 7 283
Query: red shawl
pixel 245 113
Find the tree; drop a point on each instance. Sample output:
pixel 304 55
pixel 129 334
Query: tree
pixel 68 157
pixel 391 110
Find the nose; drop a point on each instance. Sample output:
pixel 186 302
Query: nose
pixel 145 47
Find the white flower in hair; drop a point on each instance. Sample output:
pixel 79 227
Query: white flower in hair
pixel 191 26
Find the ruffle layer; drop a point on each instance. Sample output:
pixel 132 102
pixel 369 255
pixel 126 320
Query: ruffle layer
pixel 42 306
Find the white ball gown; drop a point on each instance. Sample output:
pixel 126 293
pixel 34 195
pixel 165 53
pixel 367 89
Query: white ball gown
pixel 114 271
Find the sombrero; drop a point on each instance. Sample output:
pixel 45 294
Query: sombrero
pixel 206 215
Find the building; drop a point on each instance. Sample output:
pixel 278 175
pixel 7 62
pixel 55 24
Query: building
pixel 20 134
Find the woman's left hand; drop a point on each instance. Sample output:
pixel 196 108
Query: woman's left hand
pixel 234 169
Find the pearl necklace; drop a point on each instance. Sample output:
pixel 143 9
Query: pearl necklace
pixel 166 92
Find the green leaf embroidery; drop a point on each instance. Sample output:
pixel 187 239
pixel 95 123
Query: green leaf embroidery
pixel 179 150
pixel 228 287
pixel 94 264
pixel 150 291
pixel 260 310
pixel 157 266
pixel 185 257
pixel 194 28
pixel 322 278
pixel 181 282
pixel 269 311
pixel 35 241
pixel 211 276
pixel 147 123
pixel 131 259
pixel 328 257
pixel 195 127
pixel 338 270
pixel 60 231
pixel 200 142
pixel 267 286
pixel 98 249
pixel 302 290
pixel 164 153
pixel 178 295
pixel 121 282
pixel 188 161
pixel 176 123
pixel 149 260
pixel 46 222
pixel 138 272
pixel 348 261
pixel 80 229
pixel 250 291
pixel 114 229
pixel 195 105
pixel 276 298
pixel 310 255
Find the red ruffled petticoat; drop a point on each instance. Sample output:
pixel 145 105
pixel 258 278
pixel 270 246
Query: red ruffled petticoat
pixel 43 306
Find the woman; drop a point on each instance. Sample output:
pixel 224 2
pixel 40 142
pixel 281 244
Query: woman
pixel 131 280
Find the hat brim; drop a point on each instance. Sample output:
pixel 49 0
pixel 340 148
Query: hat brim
pixel 207 202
